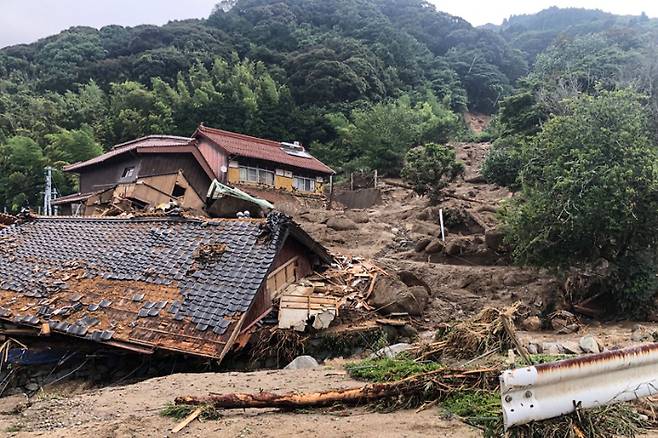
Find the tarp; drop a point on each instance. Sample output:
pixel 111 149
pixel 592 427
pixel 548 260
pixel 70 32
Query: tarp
pixel 218 190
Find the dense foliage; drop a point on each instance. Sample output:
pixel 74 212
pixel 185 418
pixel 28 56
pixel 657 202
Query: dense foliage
pixel 324 72
pixel 378 136
pixel 590 191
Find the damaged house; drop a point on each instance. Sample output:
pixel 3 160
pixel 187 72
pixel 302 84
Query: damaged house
pixel 139 174
pixel 260 166
pixel 159 169
pixel 149 283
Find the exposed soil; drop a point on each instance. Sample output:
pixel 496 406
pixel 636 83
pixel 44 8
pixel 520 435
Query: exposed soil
pixel 477 122
pixel 465 274
pixel 133 411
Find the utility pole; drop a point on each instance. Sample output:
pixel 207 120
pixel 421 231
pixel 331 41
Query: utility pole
pixel 48 192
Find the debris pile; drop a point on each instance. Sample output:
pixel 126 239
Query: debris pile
pixel 6 220
pixel 319 299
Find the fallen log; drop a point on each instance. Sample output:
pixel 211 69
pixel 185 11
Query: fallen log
pixel 442 382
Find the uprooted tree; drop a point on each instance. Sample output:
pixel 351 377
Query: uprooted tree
pixel 430 167
pixel 590 192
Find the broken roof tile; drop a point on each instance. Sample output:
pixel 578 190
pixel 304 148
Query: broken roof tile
pixel 125 260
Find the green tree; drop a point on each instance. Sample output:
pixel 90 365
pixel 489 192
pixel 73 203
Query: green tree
pixel 21 173
pixel 590 191
pixel 136 111
pixel 379 136
pixel 430 167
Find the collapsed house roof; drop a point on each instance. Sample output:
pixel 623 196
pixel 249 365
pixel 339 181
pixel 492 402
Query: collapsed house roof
pixel 148 144
pixel 142 283
pixel 240 145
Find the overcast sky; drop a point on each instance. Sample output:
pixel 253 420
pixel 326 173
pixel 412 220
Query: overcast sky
pixel 24 21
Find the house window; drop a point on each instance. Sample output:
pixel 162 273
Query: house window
pixel 178 191
pixel 128 172
pixel 256 175
pixel 304 184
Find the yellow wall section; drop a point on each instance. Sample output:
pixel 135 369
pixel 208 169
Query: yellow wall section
pixel 233 175
pixel 282 182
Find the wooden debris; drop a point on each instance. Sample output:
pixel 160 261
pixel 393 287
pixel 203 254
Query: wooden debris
pixel 392 322
pixel 190 418
pixel 443 381
pixel 45 329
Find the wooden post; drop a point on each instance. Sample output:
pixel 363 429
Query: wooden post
pixel 352 181
pixel 375 178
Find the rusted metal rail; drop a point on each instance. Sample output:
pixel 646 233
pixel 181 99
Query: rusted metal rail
pixel 550 390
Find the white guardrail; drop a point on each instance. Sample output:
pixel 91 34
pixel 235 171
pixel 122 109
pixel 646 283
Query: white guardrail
pixel 553 389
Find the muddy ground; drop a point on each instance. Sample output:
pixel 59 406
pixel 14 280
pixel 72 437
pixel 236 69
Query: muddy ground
pixel 133 411
pixel 466 272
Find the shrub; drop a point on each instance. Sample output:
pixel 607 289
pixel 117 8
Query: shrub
pixel 428 168
pixel 503 163
pixel 388 370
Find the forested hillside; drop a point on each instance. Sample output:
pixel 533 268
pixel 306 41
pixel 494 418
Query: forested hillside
pixel 359 81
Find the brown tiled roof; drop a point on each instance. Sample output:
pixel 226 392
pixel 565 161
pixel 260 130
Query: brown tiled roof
pixel 151 144
pixel 151 141
pixel 167 283
pixel 74 198
pixel 241 145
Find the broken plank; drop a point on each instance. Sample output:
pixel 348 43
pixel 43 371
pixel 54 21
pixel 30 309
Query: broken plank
pixel 393 322
pixel 190 418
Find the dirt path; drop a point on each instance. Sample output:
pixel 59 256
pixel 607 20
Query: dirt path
pixel 133 411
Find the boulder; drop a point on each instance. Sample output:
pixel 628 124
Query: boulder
pixel 531 324
pixel 316 216
pixel 571 347
pixel 408 331
pixel 32 386
pixel 426 228
pixel 589 344
pixel 453 248
pixel 302 363
pixel 434 247
pixel 533 348
pixel 422 244
pixel 341 224
pixel 567 330
pixel 494 239
pixel 391 351
pixel 358 216
pixel 552 348
pixel 640 334
pixel 558 323
pixel 391 295
pixel 410 279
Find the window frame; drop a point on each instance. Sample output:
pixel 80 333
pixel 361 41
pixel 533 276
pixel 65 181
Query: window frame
pixel 308 182
pixel 128 172
pixel 256 175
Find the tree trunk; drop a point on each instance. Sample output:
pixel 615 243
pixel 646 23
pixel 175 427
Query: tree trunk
pixel 350 396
